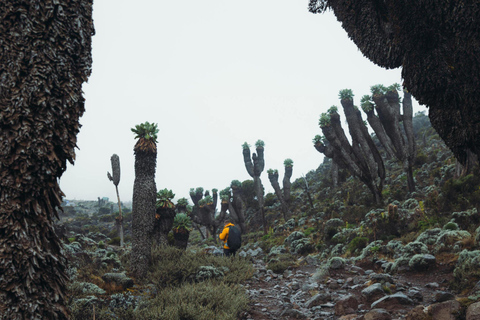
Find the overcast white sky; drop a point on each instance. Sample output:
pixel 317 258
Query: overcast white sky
pixel 213 74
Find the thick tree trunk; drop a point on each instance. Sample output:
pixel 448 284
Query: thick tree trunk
pixel 45 57
pixel 377 127
pixel 287 185
pixel 237 208
pixel 273 177
pixel 143 211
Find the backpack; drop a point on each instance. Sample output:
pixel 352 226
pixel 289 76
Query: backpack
pixel 234 240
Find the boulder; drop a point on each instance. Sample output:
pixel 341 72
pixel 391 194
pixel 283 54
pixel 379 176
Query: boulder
pixel 346 305
pixel 318 299
pixel 373 292
pixel 444 310
pixel 378 314
pixel 417 313
pixel 473 311
pixel 392 301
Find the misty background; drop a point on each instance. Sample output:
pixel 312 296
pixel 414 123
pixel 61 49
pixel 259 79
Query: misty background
pixel 213 75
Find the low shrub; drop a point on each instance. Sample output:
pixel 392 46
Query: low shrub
pixel 207 300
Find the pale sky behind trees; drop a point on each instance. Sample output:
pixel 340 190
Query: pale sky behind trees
pixel 213 74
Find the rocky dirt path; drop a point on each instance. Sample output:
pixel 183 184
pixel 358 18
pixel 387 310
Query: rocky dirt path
pixel 350 292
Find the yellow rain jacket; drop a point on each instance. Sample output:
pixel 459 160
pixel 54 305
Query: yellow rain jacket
pixel 224 235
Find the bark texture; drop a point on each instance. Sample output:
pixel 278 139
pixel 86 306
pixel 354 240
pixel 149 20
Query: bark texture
pixel 143 207
pixel 45 54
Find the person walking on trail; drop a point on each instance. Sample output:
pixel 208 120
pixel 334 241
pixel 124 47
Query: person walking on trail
pixel 231 239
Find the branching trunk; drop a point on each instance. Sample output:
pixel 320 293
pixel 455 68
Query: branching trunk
pixel 255 169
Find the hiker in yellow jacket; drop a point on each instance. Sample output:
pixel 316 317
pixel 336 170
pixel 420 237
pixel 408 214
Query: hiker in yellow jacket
pixel 224 236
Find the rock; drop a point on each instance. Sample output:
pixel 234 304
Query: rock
pixel 373 292
pixel 392 301
pixel 422 262
pixel 417 313
pixel 473 311
pixel 444 310
pixel 381 277
pixel 277 250
pixel 441 296
pixel 293 313
pixel 119 281
pixel 345 305
pixel 415 295
pixel 318 299
pixel 378 314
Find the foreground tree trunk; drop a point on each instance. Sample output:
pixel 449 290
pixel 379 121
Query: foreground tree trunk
pixel 45 56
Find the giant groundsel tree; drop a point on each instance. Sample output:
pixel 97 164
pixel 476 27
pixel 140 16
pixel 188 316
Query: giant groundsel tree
pixel 45 56
pixel 255 165
pixel 115 178
pixel 144 197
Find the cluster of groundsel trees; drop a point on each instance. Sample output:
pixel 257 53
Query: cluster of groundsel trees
pixel 361 156
pixel 437 44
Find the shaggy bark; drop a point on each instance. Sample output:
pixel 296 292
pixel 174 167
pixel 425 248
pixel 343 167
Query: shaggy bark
pixel 287 185
pixel 237 208
pixel 45 54
pixel 163 224
pixel 143 209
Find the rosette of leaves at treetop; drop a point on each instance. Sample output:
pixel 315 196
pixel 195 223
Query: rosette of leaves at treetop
pixel 182 223
pixel 146 133
pixel 164 199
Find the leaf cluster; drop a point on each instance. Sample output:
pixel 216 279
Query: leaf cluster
pixel 146 131
pixel 182 221
pixel 288 162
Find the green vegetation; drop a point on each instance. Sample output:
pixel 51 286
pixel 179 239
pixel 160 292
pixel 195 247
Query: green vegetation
pixel 146 131
pixel 346 94
pixel 182 221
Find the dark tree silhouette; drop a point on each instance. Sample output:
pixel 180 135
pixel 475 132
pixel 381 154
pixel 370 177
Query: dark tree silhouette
pixel 353 156
pixel 284 196
pixel 436 44
pixel 255 169
pixel 398 128
pixel 45 54
pixel 115 178
pixel 144 198
pixel 164 216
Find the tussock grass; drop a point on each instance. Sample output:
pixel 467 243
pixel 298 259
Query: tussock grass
pixel 208 300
